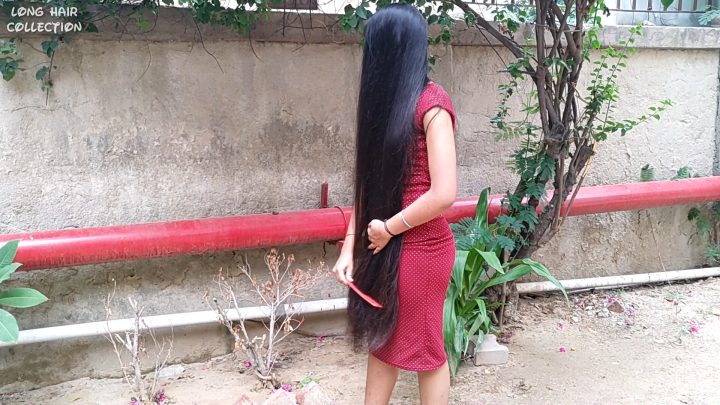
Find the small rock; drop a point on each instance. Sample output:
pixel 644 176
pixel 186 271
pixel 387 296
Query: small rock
pixel 280 397
pixel 171 372
pixel 244 400
pixel 312 394
pixel 575 319
pixel 616 307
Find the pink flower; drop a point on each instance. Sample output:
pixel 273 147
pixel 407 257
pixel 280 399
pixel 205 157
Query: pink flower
pixel 562 350
pixel 287 388
pixel 321 338
pixel 694 329
pixel 611 300
pixel 247 364
pixel 561 326
pixel 676 302
pixel 627 322
pixel 160 397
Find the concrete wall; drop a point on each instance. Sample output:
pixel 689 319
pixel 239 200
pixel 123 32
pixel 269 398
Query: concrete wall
pixel 154 128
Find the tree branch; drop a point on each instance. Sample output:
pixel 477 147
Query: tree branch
pixel 511 45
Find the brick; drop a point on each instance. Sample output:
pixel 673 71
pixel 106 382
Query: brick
pixel 244 400
pixel 312 394
pixel 280 397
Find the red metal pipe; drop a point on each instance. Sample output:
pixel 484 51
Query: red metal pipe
pixel 74 247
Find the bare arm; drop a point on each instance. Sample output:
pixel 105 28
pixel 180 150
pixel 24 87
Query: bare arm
pixel 349 242
pixel 443 174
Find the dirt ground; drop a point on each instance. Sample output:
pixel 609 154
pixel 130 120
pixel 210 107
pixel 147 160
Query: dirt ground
pixel 559 354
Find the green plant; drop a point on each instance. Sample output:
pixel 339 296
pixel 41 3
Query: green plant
pixel 676 299
pixel 710 14
pixel 468 309
pixel 15 297
pixel 706 217
pixel 307 381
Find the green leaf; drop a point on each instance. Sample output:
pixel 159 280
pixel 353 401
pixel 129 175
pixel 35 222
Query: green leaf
pixel 458 338
pixel 8 251
pixel 22 298
pixel 541 270
pixel 667 3
pixel 449 328
pixel 93 28
pixel 510 275
pixel 479 320
pixel 647 173
pixel 473 272
pixel 9 330
pixel 432 19
pixel 42 72
pixel 458 270
pixel 7 271
pixel 353 21
pixel 8 74
pixel 144 24
pixel 492 260
pixel 692 215
pixel 481 209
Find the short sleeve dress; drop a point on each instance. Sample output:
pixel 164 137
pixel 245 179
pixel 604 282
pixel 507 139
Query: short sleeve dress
pixel 426 262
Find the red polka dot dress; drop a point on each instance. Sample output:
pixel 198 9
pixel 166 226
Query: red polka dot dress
pixel 426 262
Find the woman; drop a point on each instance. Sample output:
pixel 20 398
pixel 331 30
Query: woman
pixel 403 252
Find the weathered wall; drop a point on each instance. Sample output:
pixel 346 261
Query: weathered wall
pixel 157 129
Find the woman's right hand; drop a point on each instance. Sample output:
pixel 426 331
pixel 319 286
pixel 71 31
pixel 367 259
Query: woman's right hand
pixel 343 269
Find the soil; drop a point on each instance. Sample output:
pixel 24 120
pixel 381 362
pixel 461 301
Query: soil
pixel 619 347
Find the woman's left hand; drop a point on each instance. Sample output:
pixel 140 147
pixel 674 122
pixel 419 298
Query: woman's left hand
pixel 378 236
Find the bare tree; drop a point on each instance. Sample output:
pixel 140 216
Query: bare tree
pixel 130 350
pixel 280 295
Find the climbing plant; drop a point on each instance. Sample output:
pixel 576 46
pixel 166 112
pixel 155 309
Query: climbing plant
pixel 560 121
pixel 706 217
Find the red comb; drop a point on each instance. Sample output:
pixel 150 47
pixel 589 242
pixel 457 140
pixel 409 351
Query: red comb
pixel 363 296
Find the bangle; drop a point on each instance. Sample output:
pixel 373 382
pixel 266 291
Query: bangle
pixel 404 221
pixel 386 228
pixel 349 234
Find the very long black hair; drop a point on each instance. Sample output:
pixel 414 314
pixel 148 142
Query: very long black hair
pixel 394 75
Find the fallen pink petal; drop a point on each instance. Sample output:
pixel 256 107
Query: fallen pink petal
pixel 562 350
pixel 561 326
pixel 321 338
pixel 247 364
pixel 694 329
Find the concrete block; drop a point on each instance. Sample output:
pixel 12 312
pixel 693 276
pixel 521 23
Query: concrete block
pixel 244 400
pixel 280 397
pixel 490 352
pixel 312 394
